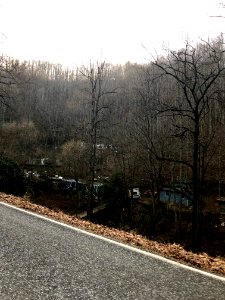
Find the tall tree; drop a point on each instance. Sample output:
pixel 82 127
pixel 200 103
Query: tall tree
pixel 99 88
pixel 196 72
pixel 9 70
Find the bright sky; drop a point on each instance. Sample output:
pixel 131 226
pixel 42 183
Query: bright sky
pixel 72 32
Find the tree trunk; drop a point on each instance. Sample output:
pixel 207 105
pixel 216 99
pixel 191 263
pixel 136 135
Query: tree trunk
pixel 196 196
pixel 93 143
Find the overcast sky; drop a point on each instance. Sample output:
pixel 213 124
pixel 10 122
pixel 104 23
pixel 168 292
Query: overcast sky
pixel 72 32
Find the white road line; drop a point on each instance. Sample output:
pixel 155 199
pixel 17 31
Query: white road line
pixel 119 244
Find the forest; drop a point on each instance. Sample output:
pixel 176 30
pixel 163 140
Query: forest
pixel 158 126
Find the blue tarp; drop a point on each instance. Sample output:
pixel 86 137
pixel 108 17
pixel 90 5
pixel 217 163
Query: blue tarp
pixel 174 197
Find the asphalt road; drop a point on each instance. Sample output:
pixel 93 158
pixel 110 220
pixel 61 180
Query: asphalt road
pixel 40 259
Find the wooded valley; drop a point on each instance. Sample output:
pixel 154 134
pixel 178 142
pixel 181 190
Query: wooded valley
pixel 155 126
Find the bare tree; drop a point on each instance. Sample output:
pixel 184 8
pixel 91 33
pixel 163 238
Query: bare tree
pixel 99 88
pixel 196 72
pixel 9 71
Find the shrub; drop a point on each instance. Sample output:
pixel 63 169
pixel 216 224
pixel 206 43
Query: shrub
pixel 11 177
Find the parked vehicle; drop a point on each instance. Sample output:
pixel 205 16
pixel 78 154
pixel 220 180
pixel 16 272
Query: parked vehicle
pixel 69 184
pixel 135 194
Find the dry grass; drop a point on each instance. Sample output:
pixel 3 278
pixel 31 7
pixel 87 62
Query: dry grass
pixel 172 251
